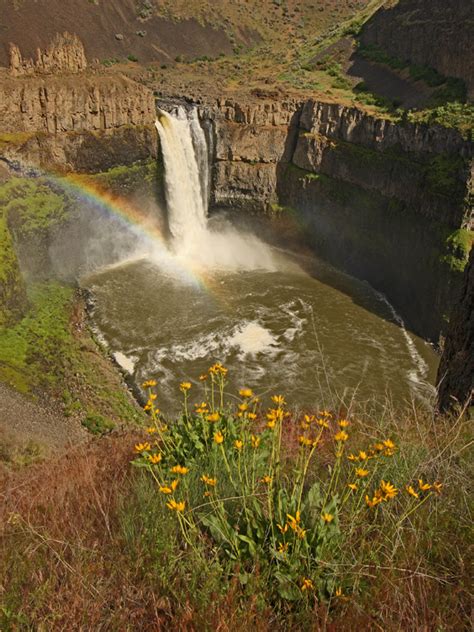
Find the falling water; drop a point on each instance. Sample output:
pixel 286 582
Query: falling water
pixel 186 159
pixel 186 174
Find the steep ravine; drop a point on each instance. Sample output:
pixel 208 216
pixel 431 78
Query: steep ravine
pixel 387 202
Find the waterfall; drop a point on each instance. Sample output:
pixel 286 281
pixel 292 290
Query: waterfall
pixel 186 162
pixel 186 158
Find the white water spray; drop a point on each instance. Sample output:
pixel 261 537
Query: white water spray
pixel 186 200
pixel 186 160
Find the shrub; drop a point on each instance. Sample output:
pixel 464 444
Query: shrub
pixel 231 476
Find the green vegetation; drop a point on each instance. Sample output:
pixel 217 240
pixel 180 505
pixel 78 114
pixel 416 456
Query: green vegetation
pixel 32 206
pixel 40 353
pixel 12 289
pixel 97 424
pixel 35 351
pixel 239 515
pixel 458 245
pixel 126 180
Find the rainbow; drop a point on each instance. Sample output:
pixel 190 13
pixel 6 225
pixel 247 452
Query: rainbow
pixel 86 189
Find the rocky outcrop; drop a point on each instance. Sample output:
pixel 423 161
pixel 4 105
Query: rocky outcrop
pixel 375 197
pixel 65 54
pixel 435 33
pixel 76 123
pixel 456 371
pixel 251 140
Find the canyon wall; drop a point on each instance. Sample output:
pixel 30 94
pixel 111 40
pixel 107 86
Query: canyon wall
pixel 435 33
pixel 456 371
pixel 385 201
pixel 76 123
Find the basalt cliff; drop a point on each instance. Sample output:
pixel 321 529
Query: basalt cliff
pixel 390 202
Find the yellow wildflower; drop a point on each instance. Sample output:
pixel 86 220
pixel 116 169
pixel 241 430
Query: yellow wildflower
pixel 388 443
pixel 352 486
pixel 283 529
pixel 411 491
pixel 149 384
pixel 218 369
pixel 151 429
pixel 363 456
pixel 306 584
pixel 361 473
pixel 179 469
pixel 304 440
pixel 327 517
pixel 154 458
pixel 279 400
pixel 185 386
pixel 389 490
pixel 243 407
pixel 322 423
pixel 352 457
pixel 423 486
pixel 175 506
pixel 174 484
pixel 142 447
pixel 309 419
pixel 255 441
pixel 343 423
pixel 252 416
pixel 203 377
pixel 246 392
pixel 209 481
pixel 437 486
pixel 238 444
pixel 164 489
pixel 218 437
pixel 325 413
pixel 338 592
pixel 341 436
pixel 293 521
pixel 283 547
pixel 152 397
pixel 271 423
pixel 213 417
pixel 266 479
pixel 373 502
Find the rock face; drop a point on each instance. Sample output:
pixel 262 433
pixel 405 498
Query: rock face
pixel 456 371
pixel 251 141
pixel 65 54
pixel 76 123
pixel 377 198
pixel 435 33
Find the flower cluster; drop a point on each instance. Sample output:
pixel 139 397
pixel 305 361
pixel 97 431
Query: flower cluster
pixel 283 510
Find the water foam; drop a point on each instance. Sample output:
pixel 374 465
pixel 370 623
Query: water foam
pixel 252 338
pixel 186 160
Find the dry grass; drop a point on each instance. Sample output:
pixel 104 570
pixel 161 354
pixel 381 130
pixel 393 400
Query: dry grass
pixel 85 546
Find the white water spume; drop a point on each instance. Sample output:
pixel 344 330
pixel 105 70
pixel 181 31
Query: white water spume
pixel 186 160
pixel 418 375
pixel 184 195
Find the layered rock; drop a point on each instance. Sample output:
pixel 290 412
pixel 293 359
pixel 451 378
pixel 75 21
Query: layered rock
pixel 456 371
pixel 377 198
pixel 251 140
pixel 435 33
pixel 65 54
pixel 76 123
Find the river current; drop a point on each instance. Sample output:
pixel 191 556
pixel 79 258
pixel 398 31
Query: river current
pixel 280 324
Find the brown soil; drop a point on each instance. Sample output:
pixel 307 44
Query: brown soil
pixel 23 421
pixel 107 29
pixel 385 82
